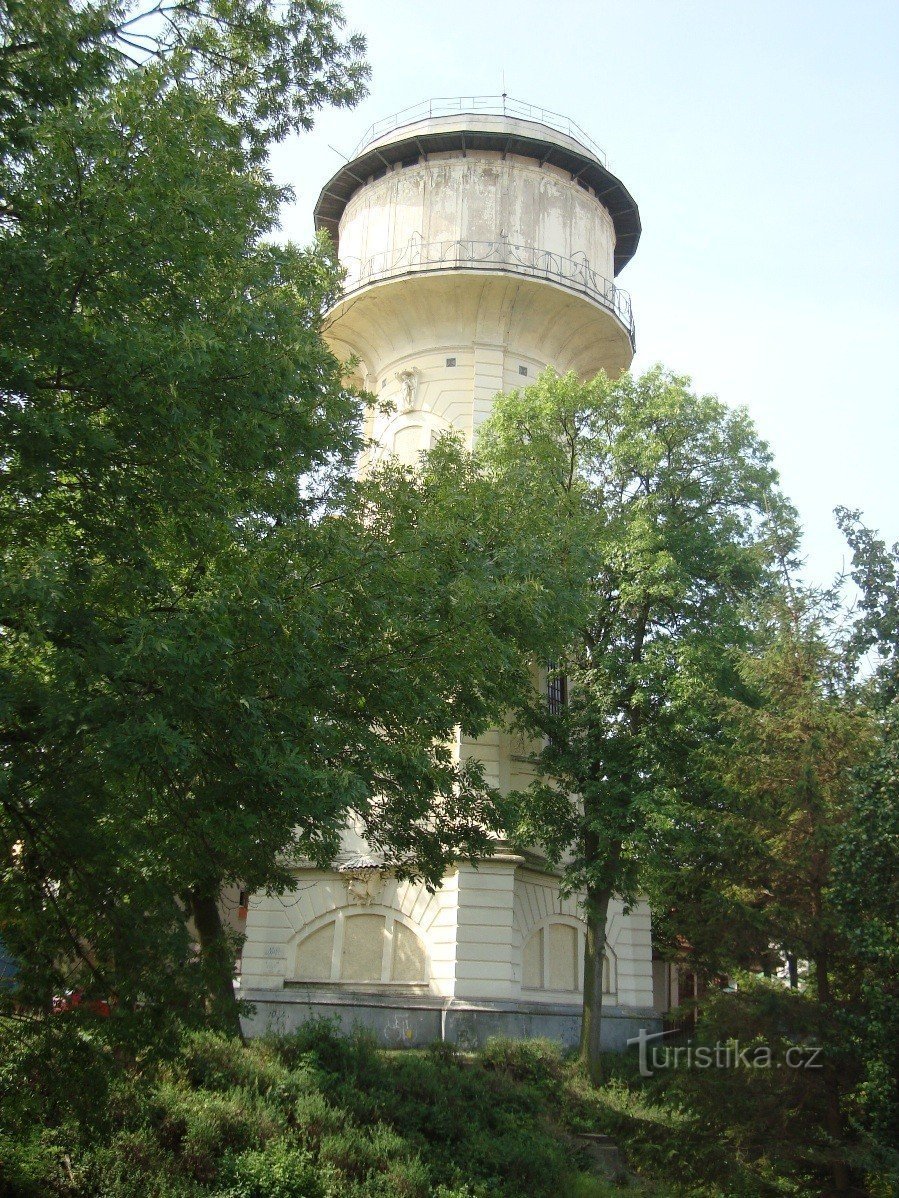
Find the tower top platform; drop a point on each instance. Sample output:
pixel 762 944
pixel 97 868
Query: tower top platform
pixel 492 123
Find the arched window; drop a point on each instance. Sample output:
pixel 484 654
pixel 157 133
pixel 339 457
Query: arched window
pixel 552 959
pixel 361 946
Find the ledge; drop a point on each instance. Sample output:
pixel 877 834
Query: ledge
pixel 310 995
pixel 497 257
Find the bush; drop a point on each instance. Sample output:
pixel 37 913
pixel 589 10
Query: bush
pixel 280 1171
pixel 31 1165
pixel 320 1115
pixel 319 1042
pixel 538 1061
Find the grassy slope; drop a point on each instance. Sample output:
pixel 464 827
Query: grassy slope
pixel 318 1116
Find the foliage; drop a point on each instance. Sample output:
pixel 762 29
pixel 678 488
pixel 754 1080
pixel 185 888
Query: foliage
pixel 164 389
pixel 266 68
pixel 668 502
pixel 314 1115
pixel 216 647
pixel 321 1116
pixel 865 888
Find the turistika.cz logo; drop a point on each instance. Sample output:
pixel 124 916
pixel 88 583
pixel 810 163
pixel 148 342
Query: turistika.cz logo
pixel 726 1054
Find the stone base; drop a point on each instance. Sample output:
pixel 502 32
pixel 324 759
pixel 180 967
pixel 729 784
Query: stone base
pixel 413 1021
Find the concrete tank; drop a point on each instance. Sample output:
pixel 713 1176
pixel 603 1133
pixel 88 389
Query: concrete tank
pixel 480 247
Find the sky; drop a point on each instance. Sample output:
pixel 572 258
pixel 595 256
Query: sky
pixel 760 143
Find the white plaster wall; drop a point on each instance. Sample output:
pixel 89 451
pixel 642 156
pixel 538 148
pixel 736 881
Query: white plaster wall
pixel 492 323
pixel 276 924
pixel 485 942
pixel 628 937
pixel 502 330
pixel 448 398
pixel 474 929
pixel 631 938
pixel 480 197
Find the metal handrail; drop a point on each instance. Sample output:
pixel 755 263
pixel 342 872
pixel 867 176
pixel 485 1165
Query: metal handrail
pixel 479 105
pixel 575 274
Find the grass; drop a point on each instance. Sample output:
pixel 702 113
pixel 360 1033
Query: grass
pixel 317 1115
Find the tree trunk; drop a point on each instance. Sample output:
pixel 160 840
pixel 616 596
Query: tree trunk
pixel 793 968
pixel 217 961
pixel 597 909
pixel 833 1115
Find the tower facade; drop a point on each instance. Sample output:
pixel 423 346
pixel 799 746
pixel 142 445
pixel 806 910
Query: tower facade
pixel 481 239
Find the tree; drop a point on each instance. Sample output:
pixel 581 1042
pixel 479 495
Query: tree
pixel 865 885
pixel 804 765
pixel 865 896
pixel 165 386
pixel 265 68
pixel 794 745
pixel 667 498
pixel 215 646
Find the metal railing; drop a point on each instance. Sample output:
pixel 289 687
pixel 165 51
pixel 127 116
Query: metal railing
pixel 575 274
pixel 479 105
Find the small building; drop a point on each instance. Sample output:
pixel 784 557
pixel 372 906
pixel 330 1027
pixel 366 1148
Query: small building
pixel 481 240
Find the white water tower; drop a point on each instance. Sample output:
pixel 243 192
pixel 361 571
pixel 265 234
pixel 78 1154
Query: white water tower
pixel 481 238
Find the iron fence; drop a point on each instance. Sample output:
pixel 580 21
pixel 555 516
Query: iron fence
pixel 575 274
pixel 479 105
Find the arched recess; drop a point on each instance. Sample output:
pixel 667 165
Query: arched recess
pixel 409 434
pixel 362 946
pixel 552 958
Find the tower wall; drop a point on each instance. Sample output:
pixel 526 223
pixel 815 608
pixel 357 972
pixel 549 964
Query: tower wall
pixel 481 197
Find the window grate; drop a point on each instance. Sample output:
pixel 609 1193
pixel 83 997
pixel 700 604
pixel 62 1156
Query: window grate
pixel 556 690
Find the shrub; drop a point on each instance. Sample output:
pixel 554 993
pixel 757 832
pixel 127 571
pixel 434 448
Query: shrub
pixel 356 1153
pixel 320 1042
pixel 314 1118
pixel 280 1171
pixel 31 1165
pixel 539 1061
pixel 445 1052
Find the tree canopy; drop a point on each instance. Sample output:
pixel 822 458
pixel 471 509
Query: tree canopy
pixel 216 644
pixel 671 502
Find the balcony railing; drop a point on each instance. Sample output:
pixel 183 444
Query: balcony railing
pixel 479 106
pixel 574 274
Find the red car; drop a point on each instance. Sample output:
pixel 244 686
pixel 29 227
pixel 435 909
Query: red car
pixel 77 998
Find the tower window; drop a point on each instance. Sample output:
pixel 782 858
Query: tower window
pixel 556 690
pixel 523 370
pixel 451 361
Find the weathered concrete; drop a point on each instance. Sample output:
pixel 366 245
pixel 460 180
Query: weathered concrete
pixel 414 1021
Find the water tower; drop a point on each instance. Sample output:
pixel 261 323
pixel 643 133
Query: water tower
pixel 481 238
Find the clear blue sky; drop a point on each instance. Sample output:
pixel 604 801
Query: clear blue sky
pixel 760 142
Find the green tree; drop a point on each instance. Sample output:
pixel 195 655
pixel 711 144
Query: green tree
pixel 666 499
pixel 265 67
pixel 165 392
pixel 215 646
pixel 794 744
pixel 865 887
pixel 804 765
